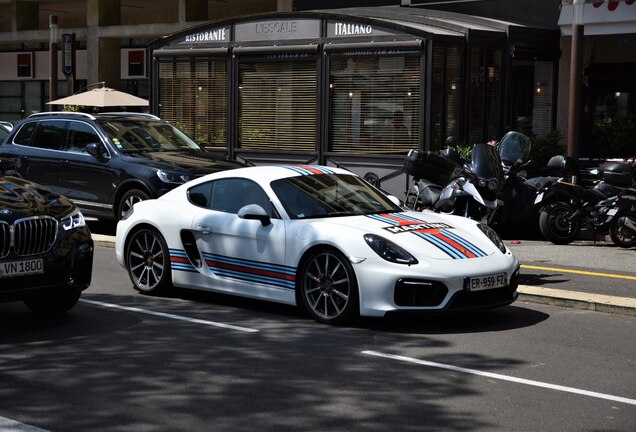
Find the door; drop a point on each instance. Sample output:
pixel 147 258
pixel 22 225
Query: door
pixel 89 182
pixel 243 256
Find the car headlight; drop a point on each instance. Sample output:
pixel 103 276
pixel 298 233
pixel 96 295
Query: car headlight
pixel 493 236
pixel 72 221
pixel 389 250
pixel 173 177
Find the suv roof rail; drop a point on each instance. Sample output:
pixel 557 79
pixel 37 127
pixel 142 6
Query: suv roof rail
pixel 132 114
pixel 48 113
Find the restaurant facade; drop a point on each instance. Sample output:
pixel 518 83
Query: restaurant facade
pixel 356 87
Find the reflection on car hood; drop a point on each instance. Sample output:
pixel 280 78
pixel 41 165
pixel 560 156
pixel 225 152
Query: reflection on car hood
pixel 200 161
pixel 425 235
pixel 20 198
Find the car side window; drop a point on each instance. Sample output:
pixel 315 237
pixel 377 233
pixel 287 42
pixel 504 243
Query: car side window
pixel 80 134
pixel 50 134
pixel 229 195
pixel 23 137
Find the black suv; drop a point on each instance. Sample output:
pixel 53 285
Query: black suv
pixel 105 162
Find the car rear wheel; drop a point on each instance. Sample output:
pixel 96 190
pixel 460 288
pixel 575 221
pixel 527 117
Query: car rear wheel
pixel 328 287
pixel 148 262
pixel 128 200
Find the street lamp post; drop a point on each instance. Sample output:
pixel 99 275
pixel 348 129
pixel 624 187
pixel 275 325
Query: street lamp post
pixel 576 55
pixel 53 58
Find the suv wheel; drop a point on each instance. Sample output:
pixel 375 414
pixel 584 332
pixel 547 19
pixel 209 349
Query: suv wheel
pixel 129 199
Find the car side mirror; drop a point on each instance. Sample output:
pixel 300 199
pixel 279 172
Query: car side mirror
pixel 394 200
pixel 97 151
pixel 255 212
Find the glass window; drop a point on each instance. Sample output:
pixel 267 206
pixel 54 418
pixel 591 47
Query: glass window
pixel 79 136
pixel 230 195
pixel 446 95
pixel 374 103
pixel 277 105
pixel 531 95
pixel 50 134
pixel 193 97
pixel 138 136
pixel 23 137
pixel 484 99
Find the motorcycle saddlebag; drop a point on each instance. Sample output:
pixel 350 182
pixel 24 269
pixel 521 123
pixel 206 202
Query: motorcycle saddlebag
pixel 430 166
pixel 617 174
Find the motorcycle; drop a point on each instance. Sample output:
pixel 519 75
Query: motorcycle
pixel 573 206
pixel 470 189
pixel 492 186
pixel 620 212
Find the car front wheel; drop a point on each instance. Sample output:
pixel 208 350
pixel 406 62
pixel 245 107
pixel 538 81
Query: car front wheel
pixel 148 262
pixel 328 287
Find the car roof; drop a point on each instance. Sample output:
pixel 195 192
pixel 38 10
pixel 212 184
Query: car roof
pixel 269 173
pixel 97 116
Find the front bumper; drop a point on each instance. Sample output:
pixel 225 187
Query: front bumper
pixel 441 289
pixel 67 266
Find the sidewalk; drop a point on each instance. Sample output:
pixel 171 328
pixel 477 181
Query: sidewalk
pixel 555 297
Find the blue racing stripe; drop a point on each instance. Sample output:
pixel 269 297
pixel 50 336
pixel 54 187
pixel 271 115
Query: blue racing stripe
pixel 468 245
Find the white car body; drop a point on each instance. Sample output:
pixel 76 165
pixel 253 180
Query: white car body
pixel 248 258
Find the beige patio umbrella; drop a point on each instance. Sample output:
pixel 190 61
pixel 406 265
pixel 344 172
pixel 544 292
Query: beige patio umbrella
pixel 101 97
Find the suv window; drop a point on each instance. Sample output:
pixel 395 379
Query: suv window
pixel 131 136
pixel 24 134
pixel 50 134
pixel 79 136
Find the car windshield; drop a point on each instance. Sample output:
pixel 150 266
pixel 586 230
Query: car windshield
pixel 329 195
pixel 131 136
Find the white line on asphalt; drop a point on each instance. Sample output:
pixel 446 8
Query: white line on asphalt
pixel 170 316
pixel 503 377
pixel 8 425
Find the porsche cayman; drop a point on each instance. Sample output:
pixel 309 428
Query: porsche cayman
pixel 317 237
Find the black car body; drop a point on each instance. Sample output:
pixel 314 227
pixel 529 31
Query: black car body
pixel 46 249
pixel 106 162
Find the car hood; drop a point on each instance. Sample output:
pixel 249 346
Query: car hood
pixel 191 160
pixel 20 198
pixel 424 235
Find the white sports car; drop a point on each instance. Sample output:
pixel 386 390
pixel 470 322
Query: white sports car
pixel 314 236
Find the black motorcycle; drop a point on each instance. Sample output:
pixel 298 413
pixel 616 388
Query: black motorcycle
pixel 444 183
pixel 573 206
pixel 620 214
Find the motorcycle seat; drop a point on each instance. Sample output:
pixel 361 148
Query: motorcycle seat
pixel 540 182
pixel 429 193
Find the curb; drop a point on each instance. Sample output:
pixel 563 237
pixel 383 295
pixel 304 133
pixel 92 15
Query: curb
pixel 578 300
pixel 554 297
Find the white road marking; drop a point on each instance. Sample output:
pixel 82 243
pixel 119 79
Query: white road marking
pixel 503 377
pixel 170 316
pixel 8 425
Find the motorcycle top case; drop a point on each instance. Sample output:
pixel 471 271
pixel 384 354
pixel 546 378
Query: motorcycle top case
pixel 617 174
pixel 429 166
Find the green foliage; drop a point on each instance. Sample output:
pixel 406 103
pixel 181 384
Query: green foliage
pixel 464 150
pixel 81 108
pixel 614 137
pixel 546 146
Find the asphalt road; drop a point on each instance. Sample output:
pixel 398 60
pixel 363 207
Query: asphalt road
pixel 121 361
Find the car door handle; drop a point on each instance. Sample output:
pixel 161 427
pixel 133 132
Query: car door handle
pixel 203 229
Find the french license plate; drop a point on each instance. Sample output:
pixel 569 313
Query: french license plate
pixel 21 268
pixel 485 282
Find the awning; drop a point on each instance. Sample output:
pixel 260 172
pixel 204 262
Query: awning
pixel 601 17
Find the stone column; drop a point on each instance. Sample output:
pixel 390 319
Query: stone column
pixel 104 54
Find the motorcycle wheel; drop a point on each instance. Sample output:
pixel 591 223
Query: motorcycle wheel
pixel 553 225
pixel 622 235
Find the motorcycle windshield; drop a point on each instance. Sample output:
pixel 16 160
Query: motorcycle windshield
pixel 485 162
pixel 514 147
